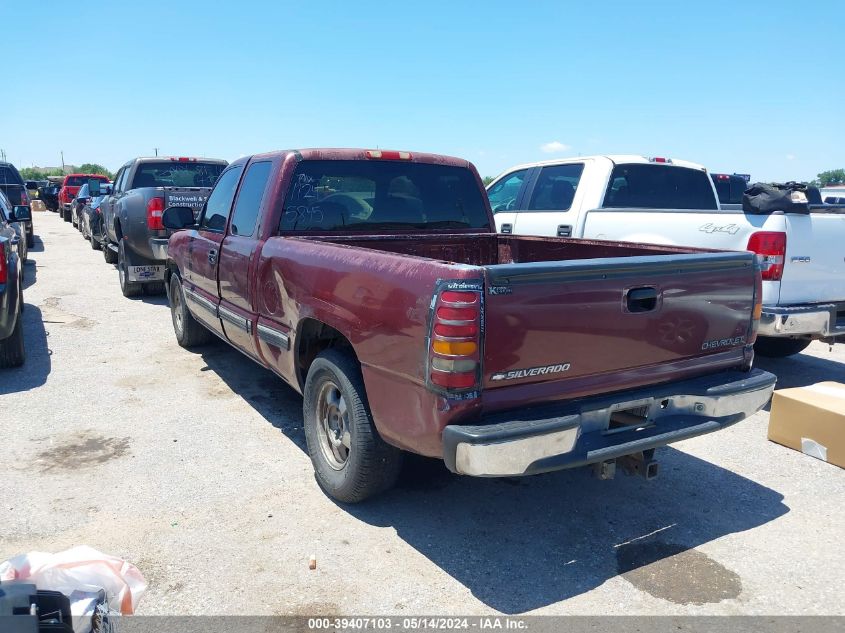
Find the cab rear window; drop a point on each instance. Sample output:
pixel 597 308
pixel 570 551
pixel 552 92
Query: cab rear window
pixel 357 195
pixel 172 174
pixel 78 181
pixel 648 186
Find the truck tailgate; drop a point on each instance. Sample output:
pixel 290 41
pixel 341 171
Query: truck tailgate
pixel 560 320
pixel 814 270
pixel 193 197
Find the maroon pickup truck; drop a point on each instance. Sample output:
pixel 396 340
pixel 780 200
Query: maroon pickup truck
pixel 373 283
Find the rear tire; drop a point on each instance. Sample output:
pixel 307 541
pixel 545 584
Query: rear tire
pixel 12 352
pixel 65 214
pixel 774 347
pixel 30 240
pixel 351 461
pixel 154 288
pixel 95 245
pixel 189 332
pixel 128 288
pixel 108 254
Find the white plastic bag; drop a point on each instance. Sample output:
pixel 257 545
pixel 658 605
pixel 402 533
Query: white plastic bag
pixel 83 570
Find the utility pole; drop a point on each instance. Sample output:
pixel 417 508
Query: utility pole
pixel 3 154
pixel 156 150
pixel 62 152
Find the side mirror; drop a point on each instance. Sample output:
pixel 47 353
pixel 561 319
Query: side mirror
pixel 94 187
pixel 177 218
pixel 21 213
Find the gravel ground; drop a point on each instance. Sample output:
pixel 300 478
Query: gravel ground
pixel 192 466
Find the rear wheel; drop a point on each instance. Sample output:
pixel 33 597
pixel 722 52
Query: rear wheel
pixel 108 254
pixel 12 353
pixel 94 243
pixel 65 214
pixel 189 332
pixel 154 288
pixel 128 288
pixel 775 347
pixel 351 461
pixel 30 239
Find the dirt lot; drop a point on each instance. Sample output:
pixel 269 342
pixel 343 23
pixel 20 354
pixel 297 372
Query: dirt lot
pixel 192 466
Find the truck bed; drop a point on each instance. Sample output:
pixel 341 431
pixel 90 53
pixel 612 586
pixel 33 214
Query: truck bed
pixel 490 249
pixel 619 314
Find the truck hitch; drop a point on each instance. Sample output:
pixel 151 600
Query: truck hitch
pixel 642 464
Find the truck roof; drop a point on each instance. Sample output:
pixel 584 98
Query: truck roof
pixel 615 158
pixel 329 153
pixel 176 159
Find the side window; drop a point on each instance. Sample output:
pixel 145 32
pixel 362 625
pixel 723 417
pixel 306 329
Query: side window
pixel 120 180
pixel 219 203
pixel 249 199
pixel 555 188
pixel 504 193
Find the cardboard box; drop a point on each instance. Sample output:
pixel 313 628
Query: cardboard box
pixel 811 420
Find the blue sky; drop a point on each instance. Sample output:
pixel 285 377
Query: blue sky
pixel 754 87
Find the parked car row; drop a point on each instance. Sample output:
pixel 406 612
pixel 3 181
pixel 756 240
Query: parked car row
pixel 13 253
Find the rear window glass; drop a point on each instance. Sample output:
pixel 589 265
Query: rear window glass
pixel 555 188
pixel 9 175
pixel 78 181
pixel 172 174
pixel 729 188
pixel 659 187
pixel 365 195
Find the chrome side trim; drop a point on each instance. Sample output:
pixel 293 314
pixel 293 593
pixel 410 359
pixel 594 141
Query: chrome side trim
pixel 273 337
pixel 235 319
pixel 201 301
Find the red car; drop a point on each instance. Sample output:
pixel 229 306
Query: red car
pixel 69 189
pixel 373 282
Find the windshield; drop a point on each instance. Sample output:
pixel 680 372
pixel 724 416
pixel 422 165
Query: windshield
pixel 173 174
pixel 357 195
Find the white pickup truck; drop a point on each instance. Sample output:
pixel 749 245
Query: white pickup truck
pixel 666 201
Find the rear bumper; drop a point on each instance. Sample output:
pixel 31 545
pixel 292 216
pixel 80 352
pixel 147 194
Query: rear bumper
pixel 818 321
pixel 576 433
pixel 158 247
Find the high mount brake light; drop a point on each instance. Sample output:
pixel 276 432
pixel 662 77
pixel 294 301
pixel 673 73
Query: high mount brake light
pixel 454 352
pixel 770 246
pixel 387 154
pixel 155 211
pixel 660 159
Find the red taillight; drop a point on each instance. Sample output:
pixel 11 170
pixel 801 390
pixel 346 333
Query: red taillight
pixel 155 209
pixel 3 272
pixel 24 197
pixel 771 247
pixel 454 352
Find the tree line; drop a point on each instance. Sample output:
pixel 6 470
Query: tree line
pixel 40 173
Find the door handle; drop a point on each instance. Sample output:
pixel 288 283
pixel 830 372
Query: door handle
pixel 641 299
pixel 507 228
pixel 212 256
pixel 564 230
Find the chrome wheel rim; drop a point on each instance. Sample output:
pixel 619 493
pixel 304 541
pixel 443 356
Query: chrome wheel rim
pixel 333 425
pixel 177 311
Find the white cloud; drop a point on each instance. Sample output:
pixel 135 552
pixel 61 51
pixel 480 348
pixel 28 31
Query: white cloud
pixel 790 157
pixel 554 147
